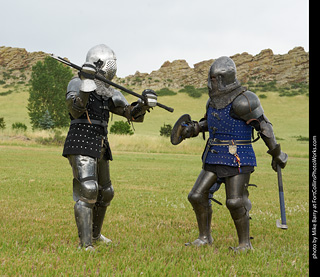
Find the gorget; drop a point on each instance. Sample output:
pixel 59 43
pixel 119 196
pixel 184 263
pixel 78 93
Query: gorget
pixel 221 99
pixel 103 89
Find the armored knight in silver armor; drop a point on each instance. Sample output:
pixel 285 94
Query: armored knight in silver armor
pixel 231 113
pixel 89 103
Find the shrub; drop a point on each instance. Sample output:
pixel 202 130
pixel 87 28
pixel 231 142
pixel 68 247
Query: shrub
pixel 301 138
pixel 18 126
pixel 165 91
pixel 2 123
pixel 121 128
pixel 57 139
pixel 192 91
pixel 165 130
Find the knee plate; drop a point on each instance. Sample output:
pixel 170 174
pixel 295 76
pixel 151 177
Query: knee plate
pixel 239 206
pixel 196 198
pixel 85 190
pixel 105 195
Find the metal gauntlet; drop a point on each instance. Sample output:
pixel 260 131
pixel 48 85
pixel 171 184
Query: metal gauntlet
pixel 278 157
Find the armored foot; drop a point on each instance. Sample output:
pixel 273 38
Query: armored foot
pixel 102 239
pixel 242 248
pixel 200 242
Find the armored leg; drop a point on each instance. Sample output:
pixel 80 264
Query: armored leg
pixel 83 216
pixel 105 195
pixel 198 197
pixel 239 206
pixel 85 193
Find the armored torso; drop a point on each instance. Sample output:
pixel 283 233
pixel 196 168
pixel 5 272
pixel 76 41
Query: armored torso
pixel 229 138
pixel 85 138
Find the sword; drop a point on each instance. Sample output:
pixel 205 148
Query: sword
pixel 103 79
pixel 283 224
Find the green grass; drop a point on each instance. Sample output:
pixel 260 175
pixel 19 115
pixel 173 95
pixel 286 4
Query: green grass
pixel 150 218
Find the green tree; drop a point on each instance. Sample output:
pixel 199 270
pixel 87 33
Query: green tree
pixel 48 85
pixel 46 122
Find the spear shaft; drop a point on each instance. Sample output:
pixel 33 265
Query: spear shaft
pixel 105 80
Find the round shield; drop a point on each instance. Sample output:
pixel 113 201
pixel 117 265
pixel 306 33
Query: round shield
pixel 176 133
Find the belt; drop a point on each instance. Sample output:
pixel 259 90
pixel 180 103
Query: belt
pixel 95 122
pixel 216 141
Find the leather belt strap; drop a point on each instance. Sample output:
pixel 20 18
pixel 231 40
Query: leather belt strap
pixel 216 141
pixel 95 122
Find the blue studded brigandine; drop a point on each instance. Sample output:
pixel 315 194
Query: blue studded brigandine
pixel 224 128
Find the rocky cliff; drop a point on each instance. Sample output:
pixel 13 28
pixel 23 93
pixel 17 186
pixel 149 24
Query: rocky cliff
pixel 293 67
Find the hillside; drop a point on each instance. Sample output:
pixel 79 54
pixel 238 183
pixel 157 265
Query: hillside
pixel 293 67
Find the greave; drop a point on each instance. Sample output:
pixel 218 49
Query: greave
pixel 242 225
pixel 98 217
pixel 204 215
pixel 83 217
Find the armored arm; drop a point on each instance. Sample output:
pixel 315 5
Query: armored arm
pixel 79 89
pixel 136 111
pixel 248 108
pixel 185 127
pixel 193 128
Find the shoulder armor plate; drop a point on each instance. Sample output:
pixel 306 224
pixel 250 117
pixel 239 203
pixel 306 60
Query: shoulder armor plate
pixel 247 106
pixel 74 85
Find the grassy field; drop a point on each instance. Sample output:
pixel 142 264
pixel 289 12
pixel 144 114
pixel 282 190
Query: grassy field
pixel 150 218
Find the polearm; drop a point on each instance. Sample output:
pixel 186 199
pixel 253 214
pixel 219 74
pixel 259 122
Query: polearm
pixel 283 224
pixel 103 79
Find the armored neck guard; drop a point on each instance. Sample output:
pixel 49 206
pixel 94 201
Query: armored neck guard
pixel 221 99
pixel 103 89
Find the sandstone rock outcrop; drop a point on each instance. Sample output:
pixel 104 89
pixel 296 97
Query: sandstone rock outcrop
pixel 292 67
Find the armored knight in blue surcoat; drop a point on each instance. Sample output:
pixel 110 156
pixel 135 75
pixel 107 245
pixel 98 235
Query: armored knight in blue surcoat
pixel 232 112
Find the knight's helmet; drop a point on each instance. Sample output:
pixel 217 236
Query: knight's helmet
pixel 104 59
pixel 223 70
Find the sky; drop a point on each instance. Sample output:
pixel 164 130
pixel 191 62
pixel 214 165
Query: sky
pixel 146 33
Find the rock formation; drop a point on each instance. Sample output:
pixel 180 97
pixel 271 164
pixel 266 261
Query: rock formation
pixel 286 69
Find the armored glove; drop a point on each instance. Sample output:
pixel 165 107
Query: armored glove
pixel 185 127
pixel 150 97
pixel 278 157
pixel 87 75
pixel 88 71
pixel 190 129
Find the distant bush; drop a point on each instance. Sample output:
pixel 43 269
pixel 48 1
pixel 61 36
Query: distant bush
pixel 301 138
pixel 165 130
pixel 2 123
pixel 57 139
pixel 121 128
pixel 165 92
pixel 192 91
pixel 18 126
pixel 289 90
pixel 6 92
